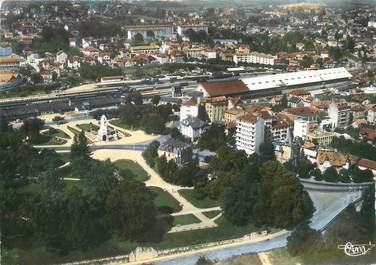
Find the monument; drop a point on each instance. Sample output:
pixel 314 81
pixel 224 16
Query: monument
pixel 103 129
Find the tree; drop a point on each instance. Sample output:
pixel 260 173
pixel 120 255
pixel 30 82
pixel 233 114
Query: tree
pixel 130 210
pixel 138 38
pixel 31 128
pixel 137 98
pixel 150 34
pixel 331 175
pixel 267 151
pixel 213 138
pixel 306 62
pixel 344 176
pixel 155 100
pixel 36 78
pixel 80 151
pixel 151 153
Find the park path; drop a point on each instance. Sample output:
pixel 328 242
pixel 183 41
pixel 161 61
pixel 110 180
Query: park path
pixel 264 258
pixel 156 181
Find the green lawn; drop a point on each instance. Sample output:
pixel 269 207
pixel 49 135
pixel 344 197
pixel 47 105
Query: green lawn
pixel 125 165
pixel 65 156
pixel 87 127
pixel 205 203
pixel 211 214
pixel 164 201
pixel 119 124
pixel 185 219
pixel 225 230
pixel 53 141
pixel 57 133
pixel 73 130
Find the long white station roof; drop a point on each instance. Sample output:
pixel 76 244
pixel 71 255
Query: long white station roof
pixel 296 78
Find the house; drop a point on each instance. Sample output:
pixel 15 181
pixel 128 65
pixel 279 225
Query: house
pixel 104 57
pixel 295 102
pixel 192 127
pixel 189 108
pixel 90 51
pixel 73 62
pixel 61 57
pixel 371 115
pixel 47 76
pixel 321 138
pixel 174 149
pixel 364 164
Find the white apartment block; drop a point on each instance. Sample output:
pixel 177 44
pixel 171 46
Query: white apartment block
pixel 301 128
pixel 340 114
pixel 254 57
pixel 249 133
pixel 189 109
pixel 371 115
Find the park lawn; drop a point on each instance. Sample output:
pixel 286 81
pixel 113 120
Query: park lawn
pixel 124 165
pixel 185 220
pixel 224 230
pixel 164 201
pixel 53 141
pixel 57 133
pixel 118 123
pixel 65 157
pixel 87 127
pixel 211 214
pixel 282 257
pixel 188 194
pixel 73 130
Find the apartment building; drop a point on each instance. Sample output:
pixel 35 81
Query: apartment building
pixel 254 57
pixel 249 133
pixel 340 114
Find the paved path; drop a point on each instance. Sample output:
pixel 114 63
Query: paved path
pixel 156 181
pixel 264 258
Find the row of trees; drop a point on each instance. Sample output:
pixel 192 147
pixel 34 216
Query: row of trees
pixel 147 117
pixel 305 169
pixel 360 149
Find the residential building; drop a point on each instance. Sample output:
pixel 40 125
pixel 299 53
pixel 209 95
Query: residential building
pixel 249 133
pixel 254 57
pixel 189 108
pixel 301 128
pixel 192 127
pixel 61 57
pixel 215 108
pixel 340 113
pixel 322 138
pixel 180 152
pixel 371 115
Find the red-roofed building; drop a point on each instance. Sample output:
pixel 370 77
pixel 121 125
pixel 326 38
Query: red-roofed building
pixel 224 88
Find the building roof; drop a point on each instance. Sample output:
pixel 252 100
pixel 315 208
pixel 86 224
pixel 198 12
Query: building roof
pixel 295 78
pixel 370 164
pixel 6 77
pixel 336 159
pixel 193 122
pixel 224 88
pixel 248 118
pixel 190 103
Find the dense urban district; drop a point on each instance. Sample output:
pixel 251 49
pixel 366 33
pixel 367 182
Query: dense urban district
pixel 187 132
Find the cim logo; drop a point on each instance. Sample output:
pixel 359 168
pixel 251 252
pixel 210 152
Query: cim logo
pixel 355 250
